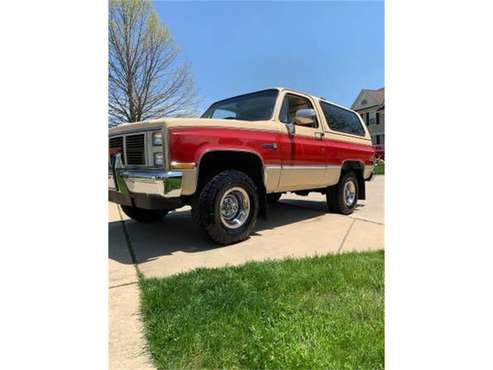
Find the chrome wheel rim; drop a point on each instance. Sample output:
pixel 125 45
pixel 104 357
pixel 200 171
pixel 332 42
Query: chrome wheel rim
pixel 234 208
pixel 349 193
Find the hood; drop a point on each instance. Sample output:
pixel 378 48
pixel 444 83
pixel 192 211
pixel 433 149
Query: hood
pixel 193 122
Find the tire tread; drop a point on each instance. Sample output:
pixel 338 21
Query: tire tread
pixel 203 207
pixel 334 194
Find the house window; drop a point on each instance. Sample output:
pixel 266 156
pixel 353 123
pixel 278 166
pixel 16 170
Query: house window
pixel 378 118
pixel 367 119
pixel 378 139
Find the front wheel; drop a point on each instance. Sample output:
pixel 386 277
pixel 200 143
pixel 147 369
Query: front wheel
pixel 227 207
pixel 144 215
pixel 342 197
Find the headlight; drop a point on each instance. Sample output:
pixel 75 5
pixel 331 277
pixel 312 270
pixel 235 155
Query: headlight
pixel 158 159
pixel 157 138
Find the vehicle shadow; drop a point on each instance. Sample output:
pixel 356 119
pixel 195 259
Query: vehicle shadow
pixel 177 232
pixel 320 206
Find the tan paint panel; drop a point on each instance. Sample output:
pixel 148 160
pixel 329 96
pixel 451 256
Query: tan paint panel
pixel 126 127
pixel 300 177
pixel 271 178
pixel 368 171
pixel 221 123
pixel 307 131
pixel 189 181
pixel 332 175
pixel 305 177
pixel 348 138
pixel 200 122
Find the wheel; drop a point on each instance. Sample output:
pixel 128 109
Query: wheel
pixel 227 207
pixel 144 215
pixel 342 197
pixel 273 197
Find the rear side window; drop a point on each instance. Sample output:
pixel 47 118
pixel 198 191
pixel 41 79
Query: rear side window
pixel 342 120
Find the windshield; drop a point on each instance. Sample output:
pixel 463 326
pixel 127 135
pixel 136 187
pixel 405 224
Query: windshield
pixel 256 106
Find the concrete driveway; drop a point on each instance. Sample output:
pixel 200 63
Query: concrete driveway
pixel 296 227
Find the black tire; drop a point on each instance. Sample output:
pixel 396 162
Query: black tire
pixel 336 197
pixel 144 215
pixel 273 197
pixel 206 207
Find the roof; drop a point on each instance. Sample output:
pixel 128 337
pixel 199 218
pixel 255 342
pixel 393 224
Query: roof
pixel 373 98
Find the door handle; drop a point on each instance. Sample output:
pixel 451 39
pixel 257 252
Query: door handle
pixel 272 146
pixel 319 135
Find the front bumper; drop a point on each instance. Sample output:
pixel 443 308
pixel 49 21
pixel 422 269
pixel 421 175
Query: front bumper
pixel 144 188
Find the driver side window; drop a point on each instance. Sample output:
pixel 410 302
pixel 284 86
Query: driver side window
pixel 290 105
pixel 224 114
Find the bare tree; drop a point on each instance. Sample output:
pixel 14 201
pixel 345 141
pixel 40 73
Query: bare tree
pixel 145 80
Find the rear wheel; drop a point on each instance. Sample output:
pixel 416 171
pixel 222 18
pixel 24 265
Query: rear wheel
pixel 227 207
pixel 144 215
pixel 342 198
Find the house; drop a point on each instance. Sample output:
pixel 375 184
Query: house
pixel 370 104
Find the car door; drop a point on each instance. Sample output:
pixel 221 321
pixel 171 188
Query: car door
pixel 304 153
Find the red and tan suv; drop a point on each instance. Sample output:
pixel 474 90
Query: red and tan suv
pixel 243 153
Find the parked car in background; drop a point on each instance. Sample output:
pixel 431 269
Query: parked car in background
pixel 379 152
pixel 243 153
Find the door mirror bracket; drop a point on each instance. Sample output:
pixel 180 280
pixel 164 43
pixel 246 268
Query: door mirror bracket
pixel 291 128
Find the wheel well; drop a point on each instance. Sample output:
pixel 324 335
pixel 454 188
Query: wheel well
pixel 214 162
pixel 358 168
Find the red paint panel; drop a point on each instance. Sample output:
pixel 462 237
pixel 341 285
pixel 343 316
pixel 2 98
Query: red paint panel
pixel 339 151
pixel 308 151
pixel 189 144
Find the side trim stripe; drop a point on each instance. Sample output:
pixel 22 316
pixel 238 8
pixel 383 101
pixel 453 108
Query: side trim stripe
pixel 303 167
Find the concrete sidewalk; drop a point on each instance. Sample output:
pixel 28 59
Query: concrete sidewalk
pixel 296 227
pixel 126 340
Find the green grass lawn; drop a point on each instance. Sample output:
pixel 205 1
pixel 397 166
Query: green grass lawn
pixel 380 169
pixel 322 312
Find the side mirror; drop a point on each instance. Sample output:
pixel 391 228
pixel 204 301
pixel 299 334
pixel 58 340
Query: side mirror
pixel 305 117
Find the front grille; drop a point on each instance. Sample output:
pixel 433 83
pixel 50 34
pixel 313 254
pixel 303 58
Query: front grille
pixel 135 149
pixel 117 142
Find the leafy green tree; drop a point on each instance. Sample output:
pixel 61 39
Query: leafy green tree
pixel 145 79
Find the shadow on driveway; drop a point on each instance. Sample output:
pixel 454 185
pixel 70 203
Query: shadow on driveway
pixel 315 205
pixel 177 232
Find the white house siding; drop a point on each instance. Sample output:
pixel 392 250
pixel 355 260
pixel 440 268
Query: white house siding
pixel 371 101
pixel 374 128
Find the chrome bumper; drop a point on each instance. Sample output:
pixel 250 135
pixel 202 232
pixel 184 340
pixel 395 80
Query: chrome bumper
pixel 167 184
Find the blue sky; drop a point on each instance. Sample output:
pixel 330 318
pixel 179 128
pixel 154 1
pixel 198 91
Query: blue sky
pixel 331 49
